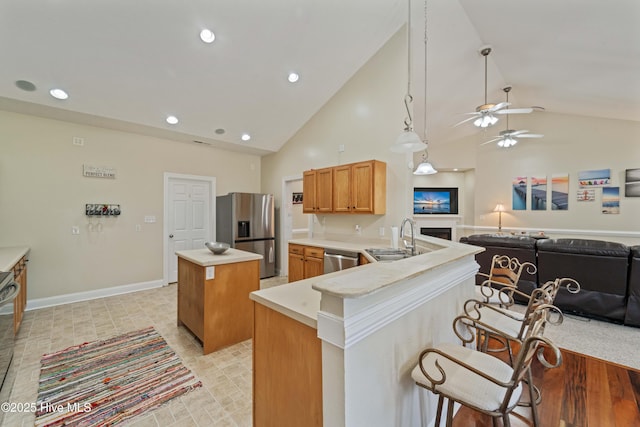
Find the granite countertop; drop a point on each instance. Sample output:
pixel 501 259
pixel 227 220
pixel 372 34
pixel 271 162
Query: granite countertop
pixel 205 257
pixel 9 256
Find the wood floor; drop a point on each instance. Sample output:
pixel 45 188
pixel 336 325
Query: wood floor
pixel 582 392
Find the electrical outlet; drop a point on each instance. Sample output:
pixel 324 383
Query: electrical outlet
pixel 75 230
pixel 341 148
pixel 381 231
pixel 138 227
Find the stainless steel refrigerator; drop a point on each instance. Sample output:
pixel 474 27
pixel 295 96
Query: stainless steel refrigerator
pixel 246 222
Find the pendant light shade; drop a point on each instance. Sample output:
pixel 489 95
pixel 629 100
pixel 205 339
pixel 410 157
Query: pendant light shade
pixel 425 168
pixel 408 142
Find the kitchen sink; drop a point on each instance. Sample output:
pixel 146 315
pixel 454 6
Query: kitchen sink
pixel 388 254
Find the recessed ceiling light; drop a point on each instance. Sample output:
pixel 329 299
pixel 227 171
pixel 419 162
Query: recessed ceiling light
pixel 293 77
pixel 220 131
pixel 455 169
pixel 25 85
pixel 172 120
pixel 207 36
pixel 59 94
pixel 245 137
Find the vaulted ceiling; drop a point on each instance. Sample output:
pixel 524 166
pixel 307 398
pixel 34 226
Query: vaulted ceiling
pixel 128 65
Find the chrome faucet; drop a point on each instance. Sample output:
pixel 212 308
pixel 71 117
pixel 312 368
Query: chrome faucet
pixel 412 246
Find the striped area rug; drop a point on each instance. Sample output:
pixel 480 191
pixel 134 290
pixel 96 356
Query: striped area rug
pixel 106 382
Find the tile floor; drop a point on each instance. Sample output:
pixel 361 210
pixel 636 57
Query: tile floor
pixel 224 399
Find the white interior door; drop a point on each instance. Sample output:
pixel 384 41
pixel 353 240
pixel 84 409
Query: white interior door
pixel 190 215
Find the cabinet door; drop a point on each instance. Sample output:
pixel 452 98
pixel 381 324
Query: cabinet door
pixel 369 187
pixel 313 267
pixel 296 267
pixel 342 189
pixel 362 187
pixel 309 191
pixel 324 190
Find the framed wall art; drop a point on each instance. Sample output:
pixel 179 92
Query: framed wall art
pixel 560 192
pixel 632 183
pixel 519 198
pixel 594 178
pixel 611 200
pixel 539 193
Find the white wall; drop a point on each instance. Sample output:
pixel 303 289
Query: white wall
pixel 44 193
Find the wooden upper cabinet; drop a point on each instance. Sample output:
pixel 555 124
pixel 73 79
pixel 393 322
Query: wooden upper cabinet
pixel 342 189
pixel 317 189
pixel 352 188
pixel 360 188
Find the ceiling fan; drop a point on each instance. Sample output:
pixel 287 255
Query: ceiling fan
pixel 508 137
pixel 485 114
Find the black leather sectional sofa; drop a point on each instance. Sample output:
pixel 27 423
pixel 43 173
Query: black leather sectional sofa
pixel 608 272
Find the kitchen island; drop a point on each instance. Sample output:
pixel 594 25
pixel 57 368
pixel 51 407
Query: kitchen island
pixel 213 295
pixel 350 339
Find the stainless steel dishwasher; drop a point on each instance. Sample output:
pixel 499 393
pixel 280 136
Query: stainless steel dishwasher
pixel 337 259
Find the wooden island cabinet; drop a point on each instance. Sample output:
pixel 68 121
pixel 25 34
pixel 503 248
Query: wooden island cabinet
pixel 213 295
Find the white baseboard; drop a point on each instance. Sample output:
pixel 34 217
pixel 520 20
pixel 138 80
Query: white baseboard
pixel 34 304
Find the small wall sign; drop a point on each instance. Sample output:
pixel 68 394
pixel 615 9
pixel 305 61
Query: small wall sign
pixel 98 172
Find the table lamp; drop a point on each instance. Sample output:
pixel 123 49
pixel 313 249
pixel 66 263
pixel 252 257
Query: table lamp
pixel 499 208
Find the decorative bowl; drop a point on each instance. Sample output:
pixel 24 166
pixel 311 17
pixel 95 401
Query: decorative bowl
pixel 217 247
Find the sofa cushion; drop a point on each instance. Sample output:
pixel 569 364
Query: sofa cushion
pixel 584 246
pixel 502 240
pixel 600 267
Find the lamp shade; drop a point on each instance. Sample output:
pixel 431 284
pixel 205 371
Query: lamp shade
pixel 499 208
pixel 425 168
pixel 408 142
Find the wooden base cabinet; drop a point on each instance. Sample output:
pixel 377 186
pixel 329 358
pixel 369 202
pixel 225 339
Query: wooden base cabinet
pixel 305 262
pixel 20 302
pixel 287 371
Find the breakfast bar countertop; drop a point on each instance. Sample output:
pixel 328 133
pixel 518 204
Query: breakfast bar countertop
pixel 204 257
pixel 300 300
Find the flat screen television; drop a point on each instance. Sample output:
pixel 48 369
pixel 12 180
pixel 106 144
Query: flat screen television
pixel 435 201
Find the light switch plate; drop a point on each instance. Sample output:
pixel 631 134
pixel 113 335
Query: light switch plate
pixel 210 273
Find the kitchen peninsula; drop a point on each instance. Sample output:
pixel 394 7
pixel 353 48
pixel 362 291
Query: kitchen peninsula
pixel 213 295
pixel 347 341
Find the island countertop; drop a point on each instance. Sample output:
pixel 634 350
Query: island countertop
pixel 204 257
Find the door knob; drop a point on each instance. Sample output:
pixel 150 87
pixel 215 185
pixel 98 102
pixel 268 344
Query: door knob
pixel 171 236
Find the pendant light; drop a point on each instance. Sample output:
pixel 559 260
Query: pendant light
pixel 408 141
pixel 425 168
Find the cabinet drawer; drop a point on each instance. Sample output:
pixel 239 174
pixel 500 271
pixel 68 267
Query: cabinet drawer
pixel 296 249
pixel 313 252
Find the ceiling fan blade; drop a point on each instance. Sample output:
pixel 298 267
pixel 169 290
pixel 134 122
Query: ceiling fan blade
pixel 517 132
pixel 466 120
pixel 531 135
pixel 490 141
pixel 497 107
pixel 515 111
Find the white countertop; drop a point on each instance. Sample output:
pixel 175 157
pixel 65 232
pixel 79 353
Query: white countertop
pixel 205 257
pixel 9 256
pixel 301 300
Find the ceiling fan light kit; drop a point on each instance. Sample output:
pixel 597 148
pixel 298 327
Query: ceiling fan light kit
pixel 507 137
